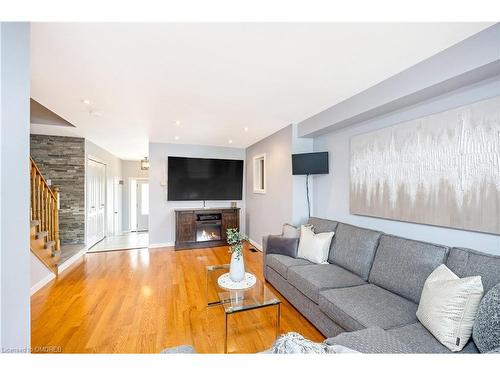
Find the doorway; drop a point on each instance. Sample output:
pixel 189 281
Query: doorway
pixel 96 202
pixel 136 237
pixel 142 191
pixel 117 206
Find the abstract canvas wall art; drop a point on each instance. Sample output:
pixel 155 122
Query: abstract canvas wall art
pixel 443 169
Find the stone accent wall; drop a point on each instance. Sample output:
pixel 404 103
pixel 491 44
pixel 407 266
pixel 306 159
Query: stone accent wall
pixel 62 160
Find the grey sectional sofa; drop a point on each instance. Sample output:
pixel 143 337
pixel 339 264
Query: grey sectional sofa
pixel 366 297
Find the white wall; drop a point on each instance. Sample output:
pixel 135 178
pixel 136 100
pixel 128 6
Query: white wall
pixel 332 191
pixel 267 212
pixel 285 200
pixel 39 274
pixel 113 173
pixel 161 211
pixel 300 213
pixel 1 230
pixel 131 169
pixel 14 186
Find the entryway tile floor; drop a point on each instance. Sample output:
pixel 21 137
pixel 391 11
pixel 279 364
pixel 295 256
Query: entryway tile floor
pixel 127 241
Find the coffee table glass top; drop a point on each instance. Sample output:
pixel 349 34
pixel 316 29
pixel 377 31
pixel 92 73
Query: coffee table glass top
pixel 259 295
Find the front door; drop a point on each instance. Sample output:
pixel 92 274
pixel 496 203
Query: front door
pixel 117 206
pixel 142 205
pixel 96 202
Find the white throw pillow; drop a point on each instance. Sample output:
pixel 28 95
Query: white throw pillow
pixel 314 247
pixel 448 306
pixel 290 231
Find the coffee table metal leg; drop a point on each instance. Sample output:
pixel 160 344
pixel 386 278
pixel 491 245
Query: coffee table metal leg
pixel 278 315
pixel 225 333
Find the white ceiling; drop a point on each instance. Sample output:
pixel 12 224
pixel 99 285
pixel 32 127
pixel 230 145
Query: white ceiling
pixel 216 79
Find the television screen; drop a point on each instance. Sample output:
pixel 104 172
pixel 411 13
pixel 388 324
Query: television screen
pixel 204 179
pixel 310 163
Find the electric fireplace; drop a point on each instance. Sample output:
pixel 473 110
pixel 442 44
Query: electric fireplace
pixel 204 227
pixel 208 226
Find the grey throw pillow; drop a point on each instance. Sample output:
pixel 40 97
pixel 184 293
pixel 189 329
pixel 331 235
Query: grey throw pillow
pixel 282 245
pixel 486 330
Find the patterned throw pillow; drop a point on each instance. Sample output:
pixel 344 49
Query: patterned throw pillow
pixel 314 247
pixel 486 330
pixel 448 306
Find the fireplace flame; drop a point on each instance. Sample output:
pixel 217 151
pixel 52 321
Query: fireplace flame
pixel 208 236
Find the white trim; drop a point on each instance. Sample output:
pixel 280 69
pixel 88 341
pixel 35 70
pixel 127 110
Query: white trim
pixel 161 244
pixel 257 245
pixel 257 174
pixel 71 260
pixel 106 203
pixel 39 285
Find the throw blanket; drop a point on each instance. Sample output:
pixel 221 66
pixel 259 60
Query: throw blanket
pixel 293 343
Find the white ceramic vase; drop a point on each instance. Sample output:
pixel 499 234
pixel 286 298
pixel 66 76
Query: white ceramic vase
pixel 237 267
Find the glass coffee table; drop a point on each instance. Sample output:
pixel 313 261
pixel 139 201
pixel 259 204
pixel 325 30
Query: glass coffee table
pixel 235 301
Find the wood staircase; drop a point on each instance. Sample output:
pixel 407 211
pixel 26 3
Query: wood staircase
pixel 44 232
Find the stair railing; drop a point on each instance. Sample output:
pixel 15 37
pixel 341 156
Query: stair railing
pixel 44 205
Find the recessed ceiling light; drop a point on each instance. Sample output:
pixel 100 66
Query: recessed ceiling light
pixel 176 137
pixel 245 129
pixel 230 141
pixel 177 123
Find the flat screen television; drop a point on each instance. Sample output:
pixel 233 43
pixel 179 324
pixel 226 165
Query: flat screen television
pixel 204 179
pixel 310 163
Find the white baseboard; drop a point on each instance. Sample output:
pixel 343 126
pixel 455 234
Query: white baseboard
pixel 71 260
pixel 161 244
pixel 257 245
pixel 39 285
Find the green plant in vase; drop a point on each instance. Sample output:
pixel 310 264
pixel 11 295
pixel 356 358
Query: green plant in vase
pixel 235 241
pixel 237 267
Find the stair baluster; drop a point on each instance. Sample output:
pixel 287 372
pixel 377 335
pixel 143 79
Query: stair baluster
pixel 45 218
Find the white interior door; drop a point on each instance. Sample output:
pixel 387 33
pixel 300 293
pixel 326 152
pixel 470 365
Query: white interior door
pixel 96 202
pixel 142 205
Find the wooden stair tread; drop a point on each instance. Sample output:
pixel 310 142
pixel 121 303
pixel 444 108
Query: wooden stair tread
pixel 49 244
pixel 42 234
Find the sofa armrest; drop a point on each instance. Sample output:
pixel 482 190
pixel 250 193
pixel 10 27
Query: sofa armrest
pixel 264 253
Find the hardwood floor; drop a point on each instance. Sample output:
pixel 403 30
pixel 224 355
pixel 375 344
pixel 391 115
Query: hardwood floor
pixel 142 301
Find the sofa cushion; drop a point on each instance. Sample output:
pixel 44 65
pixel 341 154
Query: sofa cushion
pixel 281 263
pixel 322 225
pixel 467 262
pixel 420 340
pixel 354 248
pixel 370 340
pixel 310 280
pixel 365 306
pixel 402 265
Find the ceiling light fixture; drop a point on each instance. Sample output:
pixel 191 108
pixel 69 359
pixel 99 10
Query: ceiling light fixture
pixel 145 164
pixel 230 141
pixel 177 123
pixel 245 129
pixel 86 101
pixel 176 137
